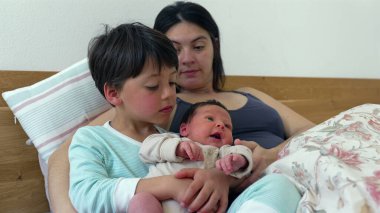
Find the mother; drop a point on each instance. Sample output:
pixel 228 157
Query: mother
pixel 262 122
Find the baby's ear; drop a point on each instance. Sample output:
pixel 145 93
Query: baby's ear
pixel 183 130
pixel 112 95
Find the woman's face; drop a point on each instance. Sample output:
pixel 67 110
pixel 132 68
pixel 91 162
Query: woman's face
pixel 195 55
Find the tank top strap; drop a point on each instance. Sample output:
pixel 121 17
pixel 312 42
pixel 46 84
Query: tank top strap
pixel 246 94
pixel 182 107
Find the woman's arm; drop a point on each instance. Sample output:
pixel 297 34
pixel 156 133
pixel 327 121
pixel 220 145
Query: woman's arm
pixel 58 180
pixel 58 174
pixel 294 123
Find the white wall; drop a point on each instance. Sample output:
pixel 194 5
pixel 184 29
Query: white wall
pixel 313 38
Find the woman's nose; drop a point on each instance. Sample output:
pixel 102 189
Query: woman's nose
pixel 186 56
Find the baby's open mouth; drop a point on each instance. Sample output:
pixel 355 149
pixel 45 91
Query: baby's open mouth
pixel 216 136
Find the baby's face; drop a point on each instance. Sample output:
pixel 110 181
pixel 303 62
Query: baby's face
pixel 210 125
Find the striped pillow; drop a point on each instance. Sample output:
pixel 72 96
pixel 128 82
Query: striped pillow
pixel 50 110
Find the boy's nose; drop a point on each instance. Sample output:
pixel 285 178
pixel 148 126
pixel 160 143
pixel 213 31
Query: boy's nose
pixel 168 92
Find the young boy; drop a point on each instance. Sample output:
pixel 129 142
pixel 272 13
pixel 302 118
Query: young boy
pixel 135 68
pixel 205 141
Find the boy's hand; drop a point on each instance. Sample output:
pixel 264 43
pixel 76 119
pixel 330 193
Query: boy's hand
pixel 189 150
pixel 231 163
pixel 179 188
pixel 208 192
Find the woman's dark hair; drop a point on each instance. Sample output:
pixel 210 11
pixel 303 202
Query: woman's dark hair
pixel 189 114
pixel 121 53
pixel 194 13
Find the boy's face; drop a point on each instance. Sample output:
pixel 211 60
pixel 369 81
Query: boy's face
pixel 210 125
pixel 149 97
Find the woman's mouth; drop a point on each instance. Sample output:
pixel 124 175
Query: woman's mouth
pixel 189 73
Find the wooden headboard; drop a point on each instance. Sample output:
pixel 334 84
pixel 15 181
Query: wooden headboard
pixel 21 181
pixel 315 98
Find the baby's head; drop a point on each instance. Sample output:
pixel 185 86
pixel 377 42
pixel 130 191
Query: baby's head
pixel 122 52
pixel 207 123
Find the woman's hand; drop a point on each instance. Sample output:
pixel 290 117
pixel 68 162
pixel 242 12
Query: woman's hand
pixel 208 192
pixel 261 159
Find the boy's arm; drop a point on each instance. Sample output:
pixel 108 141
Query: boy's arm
pixel 91 188
pixel 158 186
pixel 59 169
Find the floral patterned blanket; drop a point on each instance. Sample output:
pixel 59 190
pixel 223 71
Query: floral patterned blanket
pixel 336 164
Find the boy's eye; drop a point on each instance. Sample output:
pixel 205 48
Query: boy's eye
pixel 227 126
pixel 210 119
pixel 152 88
pixel 172 83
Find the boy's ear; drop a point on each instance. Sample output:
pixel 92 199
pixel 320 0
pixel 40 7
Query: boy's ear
pixel 183 130
pixel 112 95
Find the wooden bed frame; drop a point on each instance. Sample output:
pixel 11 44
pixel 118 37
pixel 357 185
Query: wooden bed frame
pixel 21 181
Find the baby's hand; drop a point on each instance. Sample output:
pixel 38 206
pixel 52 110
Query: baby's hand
pixel 231 163
pixel 189 150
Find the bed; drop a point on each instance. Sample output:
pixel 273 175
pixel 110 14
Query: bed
pixel 336 164
pixel 321 100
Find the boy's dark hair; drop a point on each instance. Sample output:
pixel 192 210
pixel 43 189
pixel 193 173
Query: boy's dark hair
pixel 121 53
pixel 189 114
pixel 194 13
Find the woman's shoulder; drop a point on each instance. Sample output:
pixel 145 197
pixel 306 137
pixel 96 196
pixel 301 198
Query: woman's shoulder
pixel 248 90
pixel 184 102
pixel 267 99
pixel 254 92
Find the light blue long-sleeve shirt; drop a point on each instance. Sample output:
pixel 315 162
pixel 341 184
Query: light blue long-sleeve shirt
pixel 103 163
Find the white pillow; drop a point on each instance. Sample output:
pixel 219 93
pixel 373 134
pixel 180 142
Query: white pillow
pixel 50 110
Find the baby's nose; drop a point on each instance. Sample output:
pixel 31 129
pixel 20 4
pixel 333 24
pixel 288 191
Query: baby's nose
pixel 220 125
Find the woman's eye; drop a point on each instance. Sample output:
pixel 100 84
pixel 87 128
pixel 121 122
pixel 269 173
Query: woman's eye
pixel 177 49
pixel 200 47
